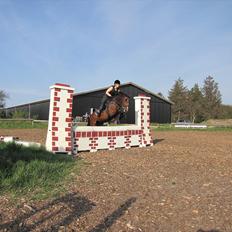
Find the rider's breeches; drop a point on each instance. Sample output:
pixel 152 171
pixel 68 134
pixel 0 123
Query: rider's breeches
pixel 103 102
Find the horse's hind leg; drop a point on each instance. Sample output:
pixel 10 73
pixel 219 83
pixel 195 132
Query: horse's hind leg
pixel 88 122
pixel 99 123
pixel 92 120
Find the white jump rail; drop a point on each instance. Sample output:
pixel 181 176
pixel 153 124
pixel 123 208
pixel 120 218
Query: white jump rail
pixel 193 126
pixel 11 139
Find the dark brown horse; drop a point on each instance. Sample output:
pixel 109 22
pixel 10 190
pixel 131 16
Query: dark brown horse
pixel 114 107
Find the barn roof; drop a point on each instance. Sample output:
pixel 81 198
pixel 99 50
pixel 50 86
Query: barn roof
pixel 96 90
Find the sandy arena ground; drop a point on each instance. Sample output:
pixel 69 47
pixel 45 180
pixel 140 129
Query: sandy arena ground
pixel 181 184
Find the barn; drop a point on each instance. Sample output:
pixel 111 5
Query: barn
pixel 82 102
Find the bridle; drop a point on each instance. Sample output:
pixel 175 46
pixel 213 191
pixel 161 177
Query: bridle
pixel 121 109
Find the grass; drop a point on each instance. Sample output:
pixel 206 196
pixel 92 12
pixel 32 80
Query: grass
pixel 170 127
pixel 34 173
pixel 21 124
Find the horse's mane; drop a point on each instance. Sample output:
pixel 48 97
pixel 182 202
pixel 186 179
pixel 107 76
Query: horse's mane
pixel 124 94
pixel 119 97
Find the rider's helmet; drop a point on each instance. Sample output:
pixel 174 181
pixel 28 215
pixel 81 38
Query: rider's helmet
pixel 117 82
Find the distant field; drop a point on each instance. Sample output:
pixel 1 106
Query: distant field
pixel 220 122
pixel 170 127
pixel 21 124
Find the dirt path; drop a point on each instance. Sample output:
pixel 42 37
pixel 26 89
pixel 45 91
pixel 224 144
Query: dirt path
pixel 183 183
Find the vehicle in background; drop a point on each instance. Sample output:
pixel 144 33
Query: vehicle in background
pixel 183 121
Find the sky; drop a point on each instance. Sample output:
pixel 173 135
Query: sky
pixel 88 44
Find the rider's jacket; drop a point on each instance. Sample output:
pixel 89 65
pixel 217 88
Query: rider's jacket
pixel 114 92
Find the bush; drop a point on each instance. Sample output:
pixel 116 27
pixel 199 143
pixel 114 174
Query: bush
pixel 2 114
pixel 19 114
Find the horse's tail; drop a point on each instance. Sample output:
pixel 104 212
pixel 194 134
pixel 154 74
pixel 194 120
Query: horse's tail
pixel 88 120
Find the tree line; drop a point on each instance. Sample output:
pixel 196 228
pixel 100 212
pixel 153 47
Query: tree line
pixel 198 103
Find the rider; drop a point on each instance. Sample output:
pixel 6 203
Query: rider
pixel 110 92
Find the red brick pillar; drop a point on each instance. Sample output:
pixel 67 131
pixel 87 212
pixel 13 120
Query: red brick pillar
pixel 142 118
pixel 60 119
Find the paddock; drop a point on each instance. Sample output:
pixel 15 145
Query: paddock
pixel 182 183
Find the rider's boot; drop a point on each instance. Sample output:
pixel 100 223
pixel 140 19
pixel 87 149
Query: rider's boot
pixel 98 111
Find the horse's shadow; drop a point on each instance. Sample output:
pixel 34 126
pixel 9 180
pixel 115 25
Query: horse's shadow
pixel 112 218
pixel 52 215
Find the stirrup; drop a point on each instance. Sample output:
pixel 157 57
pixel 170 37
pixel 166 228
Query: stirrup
pixel 98 112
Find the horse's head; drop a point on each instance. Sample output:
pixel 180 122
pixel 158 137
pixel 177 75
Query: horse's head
pixel 123 101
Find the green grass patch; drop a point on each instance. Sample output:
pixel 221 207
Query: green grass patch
pixel 34 173
pixel 170 127
pixel 21 124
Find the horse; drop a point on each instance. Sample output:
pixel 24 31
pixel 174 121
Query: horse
pixel 115 106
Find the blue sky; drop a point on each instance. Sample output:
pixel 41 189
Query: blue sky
pixel 88 44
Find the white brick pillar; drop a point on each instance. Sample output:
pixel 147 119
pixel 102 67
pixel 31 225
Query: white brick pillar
pixel 142 118
pixel 60 119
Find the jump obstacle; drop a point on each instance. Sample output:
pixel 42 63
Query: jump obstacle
pixel 63 137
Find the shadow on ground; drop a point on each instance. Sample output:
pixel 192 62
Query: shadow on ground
pixel 112 218
pixel 77 205
pixel 155 141
pixel 208 230
pixel 54 215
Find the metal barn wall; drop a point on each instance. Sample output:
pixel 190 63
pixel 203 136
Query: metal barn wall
pixel 83 103
pixel 39 110
pixel 160 109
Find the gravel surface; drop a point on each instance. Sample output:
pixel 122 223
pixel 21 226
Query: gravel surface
pixel 181 184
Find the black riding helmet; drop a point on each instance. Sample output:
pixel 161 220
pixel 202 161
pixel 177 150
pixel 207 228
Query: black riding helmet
pixel 117 82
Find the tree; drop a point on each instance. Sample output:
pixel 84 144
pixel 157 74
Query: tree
pixel 160 94
pixel 179 95
pixel 196 100
pixel 212 98
pixel 226 112
pixel 3 97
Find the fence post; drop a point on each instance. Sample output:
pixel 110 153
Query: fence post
pixel 60 119
pixel 142 118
